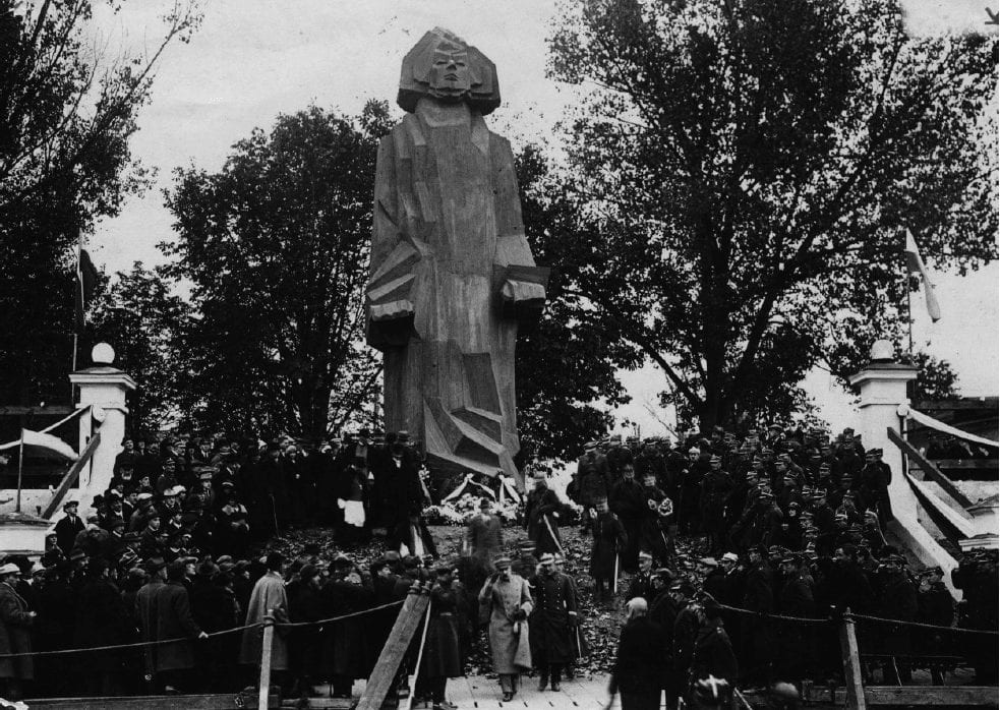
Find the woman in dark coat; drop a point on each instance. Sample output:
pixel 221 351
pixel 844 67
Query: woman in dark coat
pixel 638 670
pixel 102 619
pixel 15 635
pixel 444 652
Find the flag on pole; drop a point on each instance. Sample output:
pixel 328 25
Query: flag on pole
pixel 915 265
pixel 47 445
pixel 86 283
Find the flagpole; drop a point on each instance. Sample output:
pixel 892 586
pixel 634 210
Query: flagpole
pixel 20 471
pixel 909 313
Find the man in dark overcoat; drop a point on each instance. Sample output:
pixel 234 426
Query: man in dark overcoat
pixel 69 527
pixel 541 515
pixel 101 620
pixel 16 621
pixel 592 480
pixel 349 651
pixel 628 501
pixel 638 669
pixel 175 661
pixel 444 651
pixel 609 540
pixel 553 623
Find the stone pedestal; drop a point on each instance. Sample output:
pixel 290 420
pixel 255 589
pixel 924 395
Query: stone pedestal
pixel 883 390
pixel 104 387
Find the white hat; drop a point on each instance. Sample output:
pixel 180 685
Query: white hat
pixel 731 557
pixel 9 568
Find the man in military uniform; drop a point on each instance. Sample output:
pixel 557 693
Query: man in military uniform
pixel 609 540
pixel 553 623
pixel 628 501
pixel 715 489
pixel 542 516
pixel 592 480
pixel 642 584
pixel 507 598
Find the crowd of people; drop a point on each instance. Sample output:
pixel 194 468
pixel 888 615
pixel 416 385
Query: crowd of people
pixel 791 524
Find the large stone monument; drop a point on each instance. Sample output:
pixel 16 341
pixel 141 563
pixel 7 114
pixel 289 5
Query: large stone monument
pixel 451 275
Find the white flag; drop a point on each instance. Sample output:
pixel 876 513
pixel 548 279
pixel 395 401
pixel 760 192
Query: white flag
pixel 915 265
pixel 47 444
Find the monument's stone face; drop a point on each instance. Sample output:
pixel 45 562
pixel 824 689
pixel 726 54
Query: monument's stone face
pixel 451 272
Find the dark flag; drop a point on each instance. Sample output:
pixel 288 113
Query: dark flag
pixel 86 283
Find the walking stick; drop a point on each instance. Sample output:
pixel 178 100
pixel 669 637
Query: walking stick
pixel 555 539
pixel 614 587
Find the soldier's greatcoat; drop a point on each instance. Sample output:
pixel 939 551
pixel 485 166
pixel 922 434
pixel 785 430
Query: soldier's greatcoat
pixel 509 639
pixel 552 622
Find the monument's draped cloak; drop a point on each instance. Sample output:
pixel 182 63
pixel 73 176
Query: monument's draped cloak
pixel 448 258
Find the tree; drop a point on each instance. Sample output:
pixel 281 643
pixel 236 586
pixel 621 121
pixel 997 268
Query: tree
pixel 936 380
pixel 746 162
pixel 66 116
pixel 566 366
pixel 275 247
pixel 143 318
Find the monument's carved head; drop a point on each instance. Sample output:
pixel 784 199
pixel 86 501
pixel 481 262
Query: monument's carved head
pixel 443 66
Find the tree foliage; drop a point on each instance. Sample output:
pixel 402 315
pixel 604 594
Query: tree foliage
pixel 67 113
pixel 275 247
pixel 566 367
pixel 143 318
pixel 743 170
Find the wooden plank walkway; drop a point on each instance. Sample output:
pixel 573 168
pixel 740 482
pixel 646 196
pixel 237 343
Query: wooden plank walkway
pixel 483 693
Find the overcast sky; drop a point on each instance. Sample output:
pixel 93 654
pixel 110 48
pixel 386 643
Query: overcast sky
pixel 254 59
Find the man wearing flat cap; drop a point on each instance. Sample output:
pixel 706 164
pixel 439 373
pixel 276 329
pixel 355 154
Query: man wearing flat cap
pixel 507 598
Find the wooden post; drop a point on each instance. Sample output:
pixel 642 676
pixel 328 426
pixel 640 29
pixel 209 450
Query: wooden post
pixel 395 647
pixel 265 660
pixel 852 663
pixel 20 471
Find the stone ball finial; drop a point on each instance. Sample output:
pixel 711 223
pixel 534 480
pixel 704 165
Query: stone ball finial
pixel 476 80
pixel 102 354
pixel 882 351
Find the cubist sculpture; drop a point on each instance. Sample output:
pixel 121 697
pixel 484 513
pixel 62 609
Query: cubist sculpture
pixel 451 275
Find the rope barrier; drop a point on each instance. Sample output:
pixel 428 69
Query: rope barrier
pixel 332 619
pixel 214 634
pixel 852 615
pixel 782 617
pixel 922 625
pixel 138 644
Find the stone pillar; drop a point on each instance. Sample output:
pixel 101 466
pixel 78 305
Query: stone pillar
pixel 104 387
pixel 883 389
